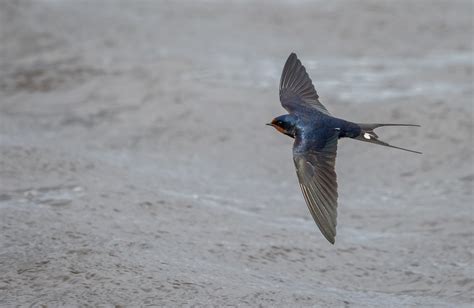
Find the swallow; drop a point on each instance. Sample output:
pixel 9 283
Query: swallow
pixel 316 133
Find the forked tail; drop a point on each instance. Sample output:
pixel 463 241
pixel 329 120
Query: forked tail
pixel 367 134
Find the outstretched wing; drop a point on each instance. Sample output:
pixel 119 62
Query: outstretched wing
pixel 296 88
pixel 315 167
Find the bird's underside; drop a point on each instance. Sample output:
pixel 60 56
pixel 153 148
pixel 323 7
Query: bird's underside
pixel 315 146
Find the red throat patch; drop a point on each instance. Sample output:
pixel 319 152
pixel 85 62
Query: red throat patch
pixel 280 129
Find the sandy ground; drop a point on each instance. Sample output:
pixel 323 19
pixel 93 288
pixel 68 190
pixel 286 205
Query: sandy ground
pixel 136 168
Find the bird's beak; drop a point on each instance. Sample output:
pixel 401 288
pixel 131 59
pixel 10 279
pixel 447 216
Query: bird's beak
pixel 269 124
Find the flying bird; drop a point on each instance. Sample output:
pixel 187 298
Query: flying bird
pixel 316 133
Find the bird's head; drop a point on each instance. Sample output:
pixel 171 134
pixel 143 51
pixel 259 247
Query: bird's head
pixel 285 124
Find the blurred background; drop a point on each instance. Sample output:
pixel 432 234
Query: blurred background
pixel 136 168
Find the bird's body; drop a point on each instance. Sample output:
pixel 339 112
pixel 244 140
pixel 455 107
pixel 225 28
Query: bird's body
pixel 313 125
pixel 316 133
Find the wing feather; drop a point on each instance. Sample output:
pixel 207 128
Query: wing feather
pixel 297 89
pixel 316 173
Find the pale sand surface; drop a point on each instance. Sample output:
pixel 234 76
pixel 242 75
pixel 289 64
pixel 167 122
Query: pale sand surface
pixel 136 168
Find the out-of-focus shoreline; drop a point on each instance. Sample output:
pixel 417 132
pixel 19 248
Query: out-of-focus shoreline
pixel 136 168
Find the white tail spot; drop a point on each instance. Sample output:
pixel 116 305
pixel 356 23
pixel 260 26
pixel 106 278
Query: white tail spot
pixel 367 136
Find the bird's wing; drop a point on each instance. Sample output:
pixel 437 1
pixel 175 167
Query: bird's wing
pixel 315 167
pixel 296 88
